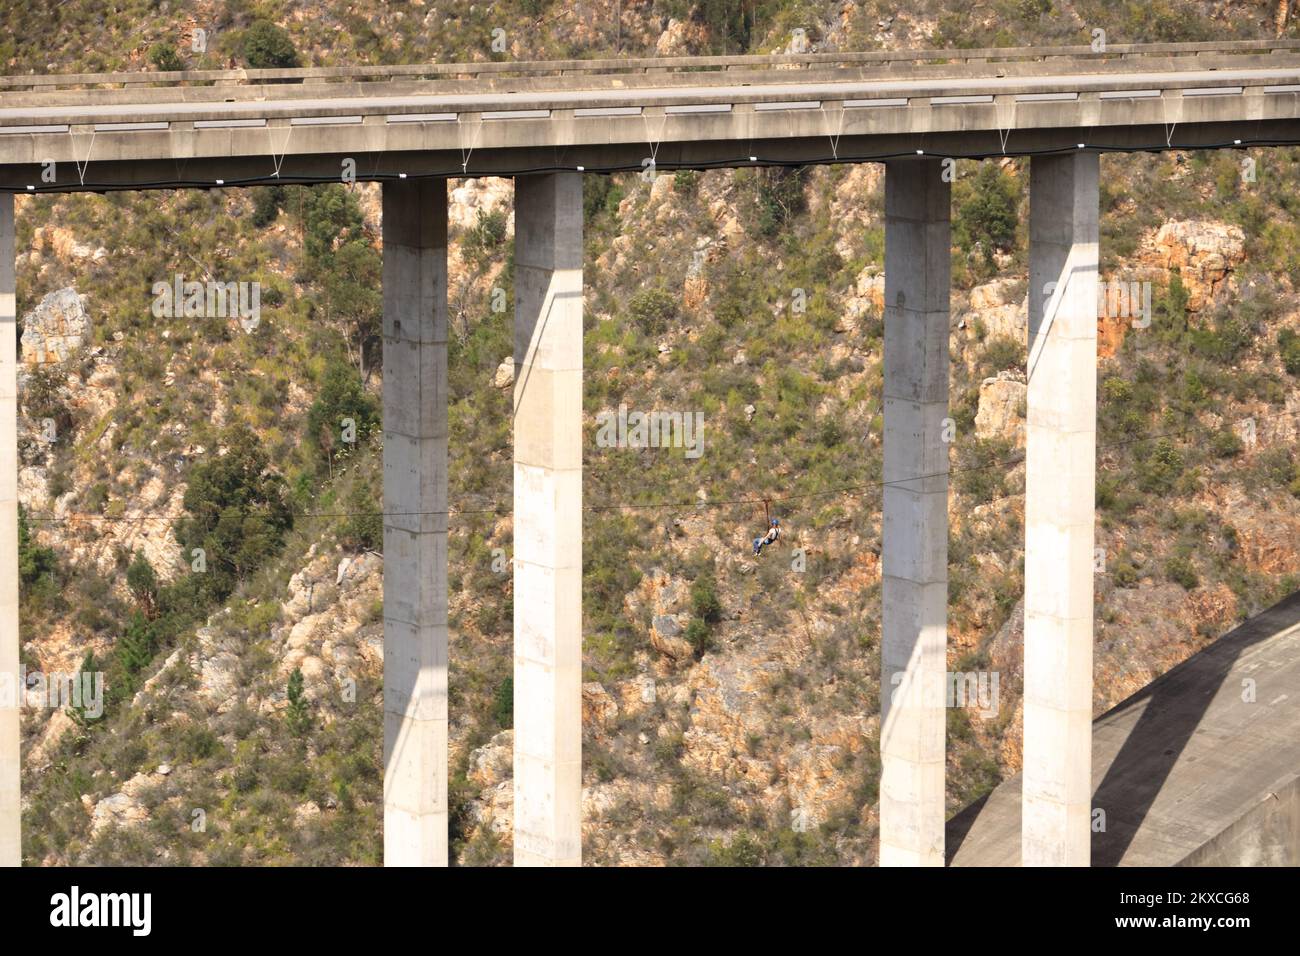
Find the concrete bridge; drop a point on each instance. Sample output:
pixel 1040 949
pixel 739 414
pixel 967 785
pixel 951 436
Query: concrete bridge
pixel 548 124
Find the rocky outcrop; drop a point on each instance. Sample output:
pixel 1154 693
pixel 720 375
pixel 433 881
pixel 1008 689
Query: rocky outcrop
pixel 868 298
pixel 491 769
pixel 146 528
pixel 472 196
pixel 682 38
pixel 122 809
pixel 505 374
pixel 1203 252
pixel 327 630
pixel 999 309
pixel 64 246
pixel 1001 413
pixel 56 330
pixel 599 709
pixel 665 599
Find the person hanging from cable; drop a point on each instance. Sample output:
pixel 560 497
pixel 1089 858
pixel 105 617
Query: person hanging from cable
pixel 773 530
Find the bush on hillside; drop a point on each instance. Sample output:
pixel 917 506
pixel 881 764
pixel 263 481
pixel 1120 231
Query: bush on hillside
pixel 267 47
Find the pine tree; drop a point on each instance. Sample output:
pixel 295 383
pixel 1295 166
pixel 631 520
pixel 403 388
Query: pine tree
pixel 78 714
pixel 298 716
pixel 143 582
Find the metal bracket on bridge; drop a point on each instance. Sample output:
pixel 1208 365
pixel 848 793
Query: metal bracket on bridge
pixel 82 166
pixel 284 150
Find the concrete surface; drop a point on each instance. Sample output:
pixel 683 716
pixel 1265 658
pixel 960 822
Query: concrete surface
pixel 10 688
pixel 415 523
pixel 507 119
pixel 1060 469
pixel 548 520
pixel 1176 766
pixel 914 524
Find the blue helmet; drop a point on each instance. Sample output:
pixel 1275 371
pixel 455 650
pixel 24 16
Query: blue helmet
pixel 776 521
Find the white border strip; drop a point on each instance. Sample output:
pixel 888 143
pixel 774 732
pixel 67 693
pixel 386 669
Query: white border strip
pixel 856 104
pixel 325 121
pixel 515 114
pixel 129 127
pixel 960 100
pixel 798 105
pixel 700 108
pixel 421 117
pixel 1045 97
pixel 607 111
pixel 229 123
pixel 7 130
pixel 1127 94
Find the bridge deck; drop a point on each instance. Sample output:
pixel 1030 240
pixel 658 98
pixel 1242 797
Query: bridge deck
pixel 241 127
pixel 1179 762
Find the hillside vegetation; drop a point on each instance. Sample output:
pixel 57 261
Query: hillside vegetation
pixel 730 703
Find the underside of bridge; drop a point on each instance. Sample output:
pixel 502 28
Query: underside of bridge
pixel 1061 123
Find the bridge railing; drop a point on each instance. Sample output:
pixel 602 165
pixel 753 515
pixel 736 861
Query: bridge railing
pixel 1082 56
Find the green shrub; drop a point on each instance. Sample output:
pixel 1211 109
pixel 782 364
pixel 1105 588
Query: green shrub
pixel 1158 471
pixel 503 703
pixel 1180 570
pixel 35 562
pixel 165 58
pixel 1224 341
pixel 704 600
pixel 134 649
pixel 330 215
pixel 267 47
pixel 1226 444
pixel 700 636
pixel 1288 347
pixel 298 714
pixel 987 210
pixel 364 525
pixel 341 397
pixel 486 237
pixel 351 293
pixel 779 197
pixel 143 584
pixel 600 194
pixel 1002 353
pixel 198 742
pixel 651 310
pixel 1124 573
pixel 686 182
pixel 267 201
pixel 43 394
pixel 236 512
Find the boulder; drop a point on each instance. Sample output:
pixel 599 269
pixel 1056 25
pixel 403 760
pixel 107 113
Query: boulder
pixel 1203 251
pixel 1001 405
pixel 505 374
pixel 56 329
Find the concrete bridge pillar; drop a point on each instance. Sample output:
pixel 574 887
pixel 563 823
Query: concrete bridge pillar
pixel 914 527
pixel 10 686
pixel 548 520
pixel 415 523
pixel 1060 474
